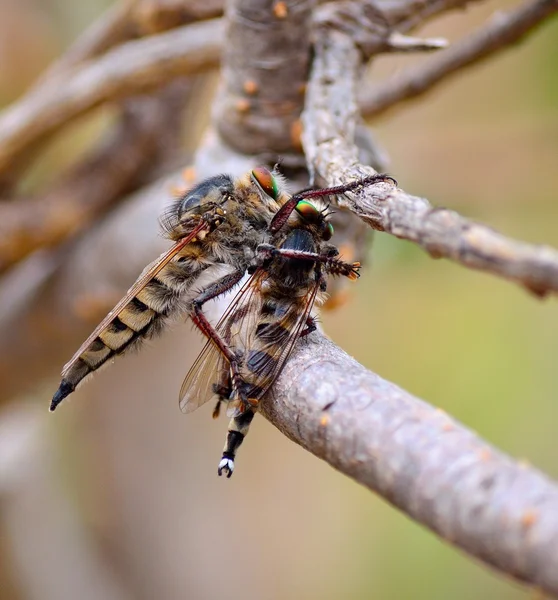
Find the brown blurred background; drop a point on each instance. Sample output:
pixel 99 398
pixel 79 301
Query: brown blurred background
pixel 116 495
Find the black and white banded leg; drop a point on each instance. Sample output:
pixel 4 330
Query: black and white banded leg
pixel 237 431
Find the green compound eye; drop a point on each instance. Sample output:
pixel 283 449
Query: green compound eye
pixel 264 178
pixel 308 211
pixel 328 232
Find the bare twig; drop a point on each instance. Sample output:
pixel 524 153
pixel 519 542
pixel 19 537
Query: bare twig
pixel 154 16
pixel 500 32
pixel 415 456
pixel 131 68
pixel 370 28
pixel 419 459
pixel 96 182
pixel 330 120
pixel 127 19
pixel 111 28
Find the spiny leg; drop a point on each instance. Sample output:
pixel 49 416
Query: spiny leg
pixel 237 431
pixel 310 326
pixel 200 320
pixel 267 252
pixel 283 214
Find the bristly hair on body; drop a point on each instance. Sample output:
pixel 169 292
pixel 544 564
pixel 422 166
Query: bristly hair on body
pixel 232 225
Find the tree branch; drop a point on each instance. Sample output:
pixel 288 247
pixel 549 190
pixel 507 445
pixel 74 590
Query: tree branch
pixel 111 28
pixel 503 30
pixel 127 70
pixel 420 460
pixel 116 167
pixel 127 19
pixel 64 94
pixel 330 120
pixel 264 70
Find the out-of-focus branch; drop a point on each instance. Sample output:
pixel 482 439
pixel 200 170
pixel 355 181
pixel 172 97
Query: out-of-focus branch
pixel 112 27
pixel 127 70
pixel 154 16
pixel 500 32
pixel 96 182
pixel 64 94
pixel 420 460
pixel 329 124
pixel 405 15
pixel 48 306
pixel 127 19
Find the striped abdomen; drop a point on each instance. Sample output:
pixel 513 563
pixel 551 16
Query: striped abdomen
pixel 143 316
pixel 269 345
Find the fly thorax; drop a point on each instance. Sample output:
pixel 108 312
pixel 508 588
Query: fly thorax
pixel 290 271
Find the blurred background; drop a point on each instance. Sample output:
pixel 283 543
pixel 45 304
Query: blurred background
pixel 116 496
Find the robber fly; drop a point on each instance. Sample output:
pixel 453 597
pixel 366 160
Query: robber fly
pixel 221 221
pixel 264 321
pixel 241 224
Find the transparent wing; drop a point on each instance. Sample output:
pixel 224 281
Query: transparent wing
pixel 211 369
pixel 150 272
pixel 263 356
pixel 266 355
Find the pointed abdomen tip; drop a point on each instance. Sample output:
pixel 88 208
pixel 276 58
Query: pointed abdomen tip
pixel 65 389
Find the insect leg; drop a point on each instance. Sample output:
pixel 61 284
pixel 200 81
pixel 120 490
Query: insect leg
pixel 282 215
pixel 200 320
pixel 310 326
pixel 237 431
pixel 332 264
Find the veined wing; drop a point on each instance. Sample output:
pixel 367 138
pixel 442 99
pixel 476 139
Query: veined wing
pixel 263 348
pixel 211 368
pixel 268 346
pixel 152 270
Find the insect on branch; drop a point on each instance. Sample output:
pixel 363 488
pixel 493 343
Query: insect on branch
pixel 332 154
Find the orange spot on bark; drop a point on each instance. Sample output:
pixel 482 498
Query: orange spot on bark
pixel 189 175
pixel 347 251
pixel 177 191
pixel 485 454
pixel 243 105
pixel 280 9
pixel 296 133
pixel 336 300
pixel 250 87
pixel 529 518
pixel 324 420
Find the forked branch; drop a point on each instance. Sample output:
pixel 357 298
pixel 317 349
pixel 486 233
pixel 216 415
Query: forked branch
pixel 500 32
pixel 330 121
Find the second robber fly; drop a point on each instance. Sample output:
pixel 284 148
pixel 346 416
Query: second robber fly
pixel 265 320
